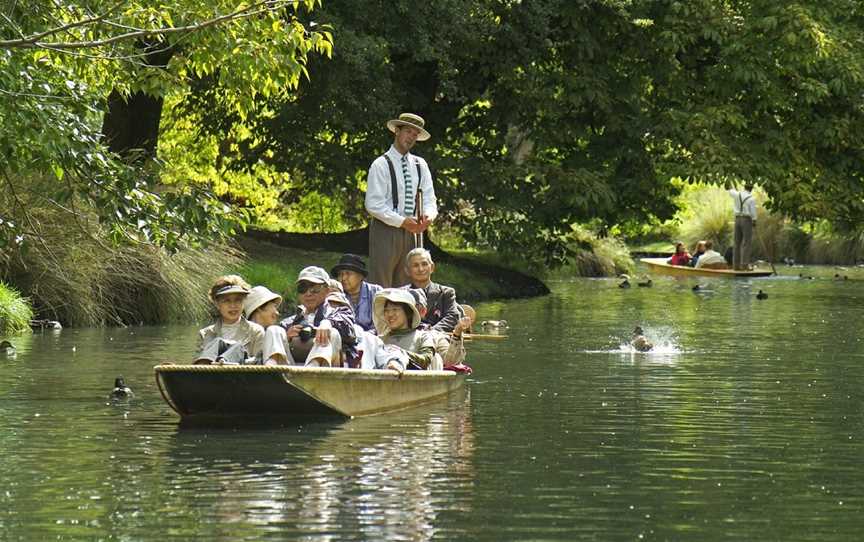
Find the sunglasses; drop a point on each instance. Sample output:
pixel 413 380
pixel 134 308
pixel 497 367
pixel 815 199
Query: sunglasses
pixel 304 287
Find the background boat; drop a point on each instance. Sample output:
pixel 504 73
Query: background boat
pixel 659 265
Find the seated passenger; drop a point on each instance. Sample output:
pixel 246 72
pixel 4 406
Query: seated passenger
pixel 443 311
pixel 231 339
pixel 397 321
pixel 448 346
pixel 351 272
pixel 711 259
pixel 681 256
pixel 318 334
pixel 697 253
pixel 262 306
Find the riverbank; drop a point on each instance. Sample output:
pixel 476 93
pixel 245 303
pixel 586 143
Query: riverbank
pixel 274 259
pixel 15 312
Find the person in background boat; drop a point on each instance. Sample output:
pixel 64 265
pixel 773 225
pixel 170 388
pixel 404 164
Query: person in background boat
pixel 351 272
pixel 744 209
pixel 449 346
pixel 231 339
pixel 681 256
pixel 394 180
pixel 443 311
pixel 398 323
pixel 262 306
pixel 711 259
pixel 697 253
pixel 318 334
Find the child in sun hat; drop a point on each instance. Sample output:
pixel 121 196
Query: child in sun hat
pixel 231 338
pixel 262 306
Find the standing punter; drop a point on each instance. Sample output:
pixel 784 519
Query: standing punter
pixel 401 199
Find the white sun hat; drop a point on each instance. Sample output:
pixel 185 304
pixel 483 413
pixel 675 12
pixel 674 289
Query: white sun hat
pixel 257 298
pixel 396 295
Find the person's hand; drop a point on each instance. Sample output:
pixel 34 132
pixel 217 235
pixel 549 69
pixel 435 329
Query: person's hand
pixel 322 336
pixel 293 331
pixel 423 224
pixel 463 325
pixel 395 366
pixel 411 225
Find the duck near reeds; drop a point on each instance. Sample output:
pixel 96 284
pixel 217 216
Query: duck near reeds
pixel 761 295
pixel 7 348
pixel 639 342
pixel 647 284
pixel 697 288
pixel 805 277
pixel 121 390
pixel 837 276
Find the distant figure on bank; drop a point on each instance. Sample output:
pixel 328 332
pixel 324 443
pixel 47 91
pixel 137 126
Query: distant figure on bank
pixel 744 208
pixel 698 251
pixel 639 341
pixel 711 259
pixel 351 272
pixel 395 184
pixel 443 311
pixel 231 339
pixel 681 256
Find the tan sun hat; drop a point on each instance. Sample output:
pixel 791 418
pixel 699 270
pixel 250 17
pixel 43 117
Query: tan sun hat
pixel 257 298
pixel 396 295
pixel 410 119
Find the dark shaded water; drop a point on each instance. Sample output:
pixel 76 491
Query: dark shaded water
pixel 747 423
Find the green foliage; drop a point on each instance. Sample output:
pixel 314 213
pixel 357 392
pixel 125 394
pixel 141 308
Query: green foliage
pixel 553 112
pixel 707 215
pixel 76 275
pixel 15 311
pixel 60 61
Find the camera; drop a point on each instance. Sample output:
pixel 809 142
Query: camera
pixel 306 333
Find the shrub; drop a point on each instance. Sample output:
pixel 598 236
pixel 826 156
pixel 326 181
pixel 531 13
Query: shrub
pixel 15 312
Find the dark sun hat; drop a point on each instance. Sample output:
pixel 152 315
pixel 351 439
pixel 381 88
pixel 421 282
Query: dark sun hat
pixel 350 262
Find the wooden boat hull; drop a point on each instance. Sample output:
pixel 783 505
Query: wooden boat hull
pixel 659 265
pixel 207 391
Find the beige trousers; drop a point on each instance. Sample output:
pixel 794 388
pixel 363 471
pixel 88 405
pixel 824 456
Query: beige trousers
pixel 388 247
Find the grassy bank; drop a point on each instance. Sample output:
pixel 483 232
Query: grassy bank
pixel 277 268
pixel 15 312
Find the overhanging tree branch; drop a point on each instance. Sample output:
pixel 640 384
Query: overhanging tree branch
pixel 34 41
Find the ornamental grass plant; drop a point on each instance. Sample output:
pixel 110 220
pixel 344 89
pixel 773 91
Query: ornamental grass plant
pixel 15 312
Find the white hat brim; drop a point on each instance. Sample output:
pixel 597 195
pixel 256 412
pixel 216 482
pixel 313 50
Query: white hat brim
pixel 396 123
pixel 392 294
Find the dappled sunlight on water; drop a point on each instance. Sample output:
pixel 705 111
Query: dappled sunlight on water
pixel 745 422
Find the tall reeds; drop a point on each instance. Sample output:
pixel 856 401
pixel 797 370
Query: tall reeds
pixel 15 312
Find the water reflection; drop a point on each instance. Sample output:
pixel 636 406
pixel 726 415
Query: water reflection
pixel 384 477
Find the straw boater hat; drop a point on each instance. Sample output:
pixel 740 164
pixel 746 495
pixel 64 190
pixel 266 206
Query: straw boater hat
pixel 410 119
pixel 396 295
pixel 257 298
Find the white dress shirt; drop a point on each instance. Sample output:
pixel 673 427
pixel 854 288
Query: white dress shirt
pixel 743 203
pixel 379 199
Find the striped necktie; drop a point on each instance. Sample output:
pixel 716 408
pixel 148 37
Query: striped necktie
pixel 409 187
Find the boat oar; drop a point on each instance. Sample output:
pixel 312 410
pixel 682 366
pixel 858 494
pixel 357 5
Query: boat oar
pixel 765 248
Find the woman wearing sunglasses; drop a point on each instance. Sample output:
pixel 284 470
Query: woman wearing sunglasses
pixel 318 334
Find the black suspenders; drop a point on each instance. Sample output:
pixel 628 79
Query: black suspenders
pixel 393 189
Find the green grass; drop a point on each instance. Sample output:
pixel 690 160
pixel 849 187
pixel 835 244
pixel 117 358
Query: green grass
pixel 15 312
pixel 277 268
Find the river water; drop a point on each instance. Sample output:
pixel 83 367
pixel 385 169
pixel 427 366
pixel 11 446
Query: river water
pixel 746 423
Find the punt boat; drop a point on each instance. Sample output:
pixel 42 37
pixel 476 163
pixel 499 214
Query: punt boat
pixel 659 265
pixel 288 392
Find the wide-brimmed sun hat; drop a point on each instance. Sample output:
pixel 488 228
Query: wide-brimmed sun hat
pixel 257 298
pixel 410 119
pixel 314 274
pixel 396 295
pixel 350 262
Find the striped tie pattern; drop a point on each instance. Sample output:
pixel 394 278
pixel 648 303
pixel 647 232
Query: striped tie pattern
pixel 409 187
